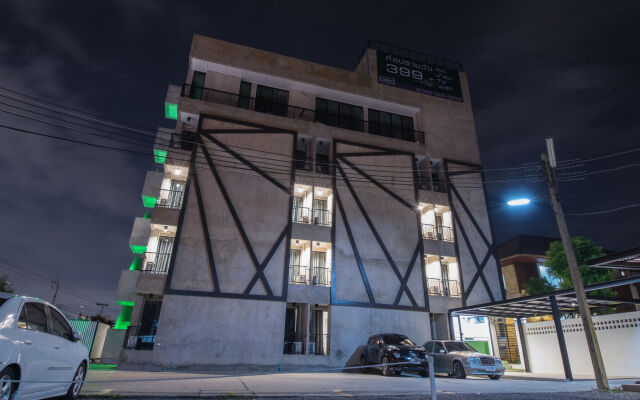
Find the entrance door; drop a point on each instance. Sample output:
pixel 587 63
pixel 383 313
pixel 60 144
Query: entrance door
pixel 445 277
pixel 176 194
pixel 148 324
pixel 163 255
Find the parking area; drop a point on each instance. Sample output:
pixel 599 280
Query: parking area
pixel 322 384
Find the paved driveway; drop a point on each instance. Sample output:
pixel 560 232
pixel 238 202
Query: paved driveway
pixel 145 383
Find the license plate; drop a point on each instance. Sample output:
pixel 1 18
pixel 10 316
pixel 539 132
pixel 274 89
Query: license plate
pixel 491 369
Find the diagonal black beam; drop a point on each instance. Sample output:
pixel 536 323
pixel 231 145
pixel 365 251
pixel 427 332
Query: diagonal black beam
pixel 354 247
pixel 373 229
pixel 237 221
pixel 469 288
pixel 234 131
pixel 378 184
pixel 248 163
pixel 407 274
pixel 205 230
pixel 473 220
pixel 266 260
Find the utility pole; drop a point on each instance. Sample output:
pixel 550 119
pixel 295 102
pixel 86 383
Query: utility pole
pixel 549 166
pixel 55 284
pixel 102 306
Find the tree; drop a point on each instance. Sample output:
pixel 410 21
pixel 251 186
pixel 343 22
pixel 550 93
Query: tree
pixel 585 250
pixel 5 285
pixel 537 285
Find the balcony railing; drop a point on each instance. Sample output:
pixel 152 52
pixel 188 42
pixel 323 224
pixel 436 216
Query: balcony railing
pixel 434 232
pixel 314 276
pixel 319 344
pixel 285 110
pixel 294 343
pixel 140 338
pixel 170 199
pixel 317 216
pixel 156 263
pixel 304 163
pixel 438 287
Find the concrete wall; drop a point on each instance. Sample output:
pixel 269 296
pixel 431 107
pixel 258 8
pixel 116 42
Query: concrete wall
pixel 618 337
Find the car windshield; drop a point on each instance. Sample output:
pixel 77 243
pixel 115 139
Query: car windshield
pixel 459 346
pixel 397 340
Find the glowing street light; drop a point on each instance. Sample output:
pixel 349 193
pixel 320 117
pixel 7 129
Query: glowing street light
pixel 518 202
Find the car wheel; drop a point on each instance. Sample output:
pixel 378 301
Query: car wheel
pixel 363 364
pixel 494 377
pixel 7 388
pixel 78 380
pixel 458 370
pixel 386 370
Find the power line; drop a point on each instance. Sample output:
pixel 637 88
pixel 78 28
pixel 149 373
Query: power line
pixel 606 211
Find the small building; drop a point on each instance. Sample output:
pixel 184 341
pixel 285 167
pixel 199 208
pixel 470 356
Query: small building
pixel 299 208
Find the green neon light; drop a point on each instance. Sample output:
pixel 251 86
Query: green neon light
pixel 149 201
pixel 126 303
pixel 138 249
pixel 136 264
pixel 147 215
pixel 170 110
pixel 160 156
pixel 124 319
pixel 103 366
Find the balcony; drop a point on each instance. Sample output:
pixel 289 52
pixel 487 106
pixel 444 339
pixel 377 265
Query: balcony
pixel 436 232
pixel 156 263
pixel 310 263
pixel 438 287
pixel 312 205
pixel 171 199
pixel 304 275
pixel 299 113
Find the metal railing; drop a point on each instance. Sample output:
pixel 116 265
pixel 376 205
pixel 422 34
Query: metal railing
pixel 319 344
pixel 321 217
pixel 140 338
pixel 300 113
pixel 304 164
pixel 294 343
pixel 438 287
pixel 301 215
pixel 156 263
pixel 313 276
pixel 434 232
pixel 170 199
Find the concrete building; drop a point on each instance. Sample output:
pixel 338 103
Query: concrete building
pixel 301 208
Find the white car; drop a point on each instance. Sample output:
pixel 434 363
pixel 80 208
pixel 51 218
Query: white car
pixel 39 348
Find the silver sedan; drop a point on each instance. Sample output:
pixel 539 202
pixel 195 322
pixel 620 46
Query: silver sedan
pixel 459 359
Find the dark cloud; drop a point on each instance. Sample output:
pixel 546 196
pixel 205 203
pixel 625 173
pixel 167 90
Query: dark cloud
pixel 536 69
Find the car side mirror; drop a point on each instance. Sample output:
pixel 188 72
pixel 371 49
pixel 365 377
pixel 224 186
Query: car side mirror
pixel 77 335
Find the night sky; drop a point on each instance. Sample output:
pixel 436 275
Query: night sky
pixel 569 70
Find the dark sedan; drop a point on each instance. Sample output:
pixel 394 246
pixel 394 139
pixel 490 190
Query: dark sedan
pixel 393 348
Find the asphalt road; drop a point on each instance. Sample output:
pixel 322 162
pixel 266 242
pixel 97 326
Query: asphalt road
pixel 255 385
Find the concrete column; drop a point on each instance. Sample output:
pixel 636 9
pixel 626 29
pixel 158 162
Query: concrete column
pixel 523 343
pixel 561 341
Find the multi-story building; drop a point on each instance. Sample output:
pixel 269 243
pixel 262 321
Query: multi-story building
pixel 302 208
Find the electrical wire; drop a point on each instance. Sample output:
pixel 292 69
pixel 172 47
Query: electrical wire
pixel 604 211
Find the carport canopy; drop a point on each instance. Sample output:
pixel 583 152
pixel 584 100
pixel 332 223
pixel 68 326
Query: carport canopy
pixel 554 303
pixel 625 260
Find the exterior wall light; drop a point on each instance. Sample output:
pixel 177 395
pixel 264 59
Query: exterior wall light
pixel 518 202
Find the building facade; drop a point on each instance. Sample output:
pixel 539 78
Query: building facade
pixel 301 208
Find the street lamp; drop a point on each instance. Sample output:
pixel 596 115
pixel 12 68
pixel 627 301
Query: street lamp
pixel 518 202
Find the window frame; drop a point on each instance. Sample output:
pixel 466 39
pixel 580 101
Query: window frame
pixel 24 309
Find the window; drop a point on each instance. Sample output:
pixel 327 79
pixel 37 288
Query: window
pixel 373 339
pixel 391 125
pixel 245 95
pixel 429 347
pixel 459 346
pixel 59 325
pixel 338 114
pixel 271 100
pixel 197 85
pixel 438 347
pixel 33 317
pixel 397 340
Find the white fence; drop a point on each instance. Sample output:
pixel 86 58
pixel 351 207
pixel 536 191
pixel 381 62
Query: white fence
pixel 618 336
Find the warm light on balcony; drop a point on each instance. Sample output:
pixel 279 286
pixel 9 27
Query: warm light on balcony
pixel 177 171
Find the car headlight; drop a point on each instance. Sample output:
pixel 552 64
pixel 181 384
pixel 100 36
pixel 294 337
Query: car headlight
pixel 498 362
pixel 474 361
pixel 396 354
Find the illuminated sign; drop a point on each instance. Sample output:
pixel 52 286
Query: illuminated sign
pixel 419 76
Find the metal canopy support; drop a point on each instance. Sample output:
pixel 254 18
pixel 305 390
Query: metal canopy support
pixel 452 332
pixel 561 341
pixel 523 343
